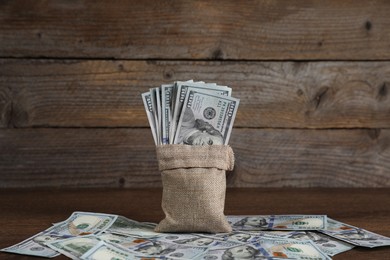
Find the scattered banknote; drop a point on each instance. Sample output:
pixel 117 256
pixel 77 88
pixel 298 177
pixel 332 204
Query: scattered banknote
pixel 79 223
pixel 240 251
pixel 125 241
pixel 278 222
pixel 326 244
pixel 268 248
pixel 125 226
pixel 291 248
pixel 167 250
pixel 35 245
pixel 84 223
pixel 240 236
pixel 74 247
pixel 354 235
pixel 87 235
pixel 197 240
pixel 192 113
pixel 103 251
pixel 189 239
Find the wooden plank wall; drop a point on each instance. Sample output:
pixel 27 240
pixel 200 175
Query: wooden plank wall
pixel 313 78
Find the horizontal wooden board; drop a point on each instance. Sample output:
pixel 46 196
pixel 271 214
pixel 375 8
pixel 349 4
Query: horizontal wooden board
pixel 41 157
pixel 278 30
pixel 77 157
pixel 75 93
pixel 306 158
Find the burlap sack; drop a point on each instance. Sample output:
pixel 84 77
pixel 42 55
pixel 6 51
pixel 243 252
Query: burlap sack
pixel 194 187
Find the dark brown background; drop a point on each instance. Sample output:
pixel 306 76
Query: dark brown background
pixel 313 78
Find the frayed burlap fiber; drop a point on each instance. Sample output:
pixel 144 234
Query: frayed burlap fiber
pixel 194 187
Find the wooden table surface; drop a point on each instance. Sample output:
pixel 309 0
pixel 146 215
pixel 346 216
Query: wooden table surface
pixel 24 213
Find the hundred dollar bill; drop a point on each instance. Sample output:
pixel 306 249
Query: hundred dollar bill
pixel 268 249
pixel 188 239
pixel 240 236
pixel 156 106
pixel 291 248
pixel 74 247
pixel 147 100
pixel 354 235
pixel 125 226
pixel 181 90
pixel 326 244
pixel 125 241
pixel 175 84
pixel 166 100
pixel 241 251
pixel 35 245
pixel 278 222
pixel 167 250
pixel 105 251
pixel 206 119
pixel 84 223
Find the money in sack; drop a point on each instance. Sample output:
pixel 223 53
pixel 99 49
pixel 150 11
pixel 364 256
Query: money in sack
pixel 194 187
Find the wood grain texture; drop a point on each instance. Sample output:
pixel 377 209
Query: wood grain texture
pixel 74 93
pixel 309 30
pixel 5 105
pixel 28 212
pixel 126 158
pixel 77 158
pixel 311 158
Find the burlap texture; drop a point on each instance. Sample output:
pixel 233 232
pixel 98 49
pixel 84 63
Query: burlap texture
pixel 194 187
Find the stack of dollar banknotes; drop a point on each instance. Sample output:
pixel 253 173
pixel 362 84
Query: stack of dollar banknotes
pixel 87 235
pixel 192 113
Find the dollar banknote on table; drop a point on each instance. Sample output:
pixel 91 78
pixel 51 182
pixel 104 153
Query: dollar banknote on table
pixel 168 250
pixel 354 235
pixel 88 235
pixel 125 226
pixel 278 222
pixel 326 244
pixel 291 248
pixel 188 239
pixel 103 251
pixel 74 247
pixel 197 240
pixel 123 240
pixel 84 223
pixel 35 245
pixel 267 248
pixel 239 236
pixel 79 223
